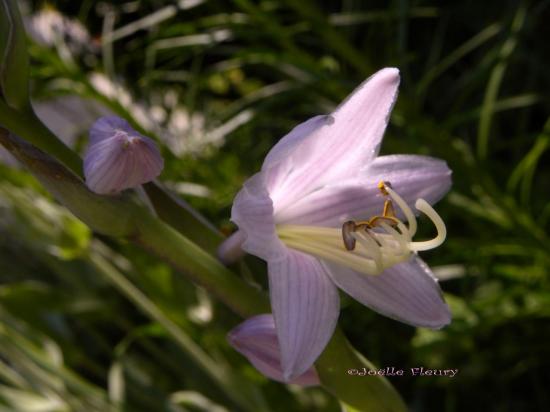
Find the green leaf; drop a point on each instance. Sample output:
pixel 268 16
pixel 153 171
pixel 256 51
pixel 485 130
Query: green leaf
pixel 14 60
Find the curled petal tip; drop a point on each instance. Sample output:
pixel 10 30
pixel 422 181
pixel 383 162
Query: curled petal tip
pixel 119 158
pixel 256 339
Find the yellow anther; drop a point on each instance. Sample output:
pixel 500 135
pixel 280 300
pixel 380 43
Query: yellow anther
pixel 382 187
pixel 377 220
pixel 387 217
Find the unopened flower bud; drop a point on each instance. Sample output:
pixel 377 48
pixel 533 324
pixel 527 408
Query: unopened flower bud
pixel 118 157
pixel 256 339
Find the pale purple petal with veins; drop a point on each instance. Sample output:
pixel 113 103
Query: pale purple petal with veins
pixel 343 147
pixel 359 198
pixel 119 158
pixel 256 338
pixel 305 305
pixel 252 211
pixel 291 153
pixel 407 292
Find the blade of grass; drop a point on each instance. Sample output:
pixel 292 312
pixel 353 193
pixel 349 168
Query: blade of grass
pixel 524 172
pixel 151 20
pixel 495 81
pixel 452 58
pixel 507 103
pixel 332 38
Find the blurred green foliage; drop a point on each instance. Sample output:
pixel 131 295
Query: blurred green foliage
pixel 217 83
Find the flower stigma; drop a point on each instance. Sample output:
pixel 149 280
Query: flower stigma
pixel 369 246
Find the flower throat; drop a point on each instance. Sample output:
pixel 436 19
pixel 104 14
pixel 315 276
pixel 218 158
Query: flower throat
pixel 369 246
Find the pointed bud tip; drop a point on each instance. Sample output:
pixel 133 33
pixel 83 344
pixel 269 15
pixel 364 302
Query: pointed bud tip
pixel 118 157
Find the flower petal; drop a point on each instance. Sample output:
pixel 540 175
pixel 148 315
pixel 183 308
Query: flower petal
pixel 305 304
pixel 411 176
pixel 291 151
pixel 256 338
pixel 252 212
pixel 120 161
pixel 339 150
pixel 407 292
pixel 106 126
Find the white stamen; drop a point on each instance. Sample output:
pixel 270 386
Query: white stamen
pixel 404 231
pixel 371 248
pixel 399 238
pixel 425 208
pixel 376 249
pixel 411 220
pixel 326 243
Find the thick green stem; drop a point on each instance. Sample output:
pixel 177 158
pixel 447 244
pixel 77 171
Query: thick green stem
pixel 200 267
pixel 27 125
pixel 182 217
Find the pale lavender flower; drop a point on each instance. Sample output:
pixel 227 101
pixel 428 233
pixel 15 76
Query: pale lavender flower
pixel 256 339
pixel 293 214
pixel 118 157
